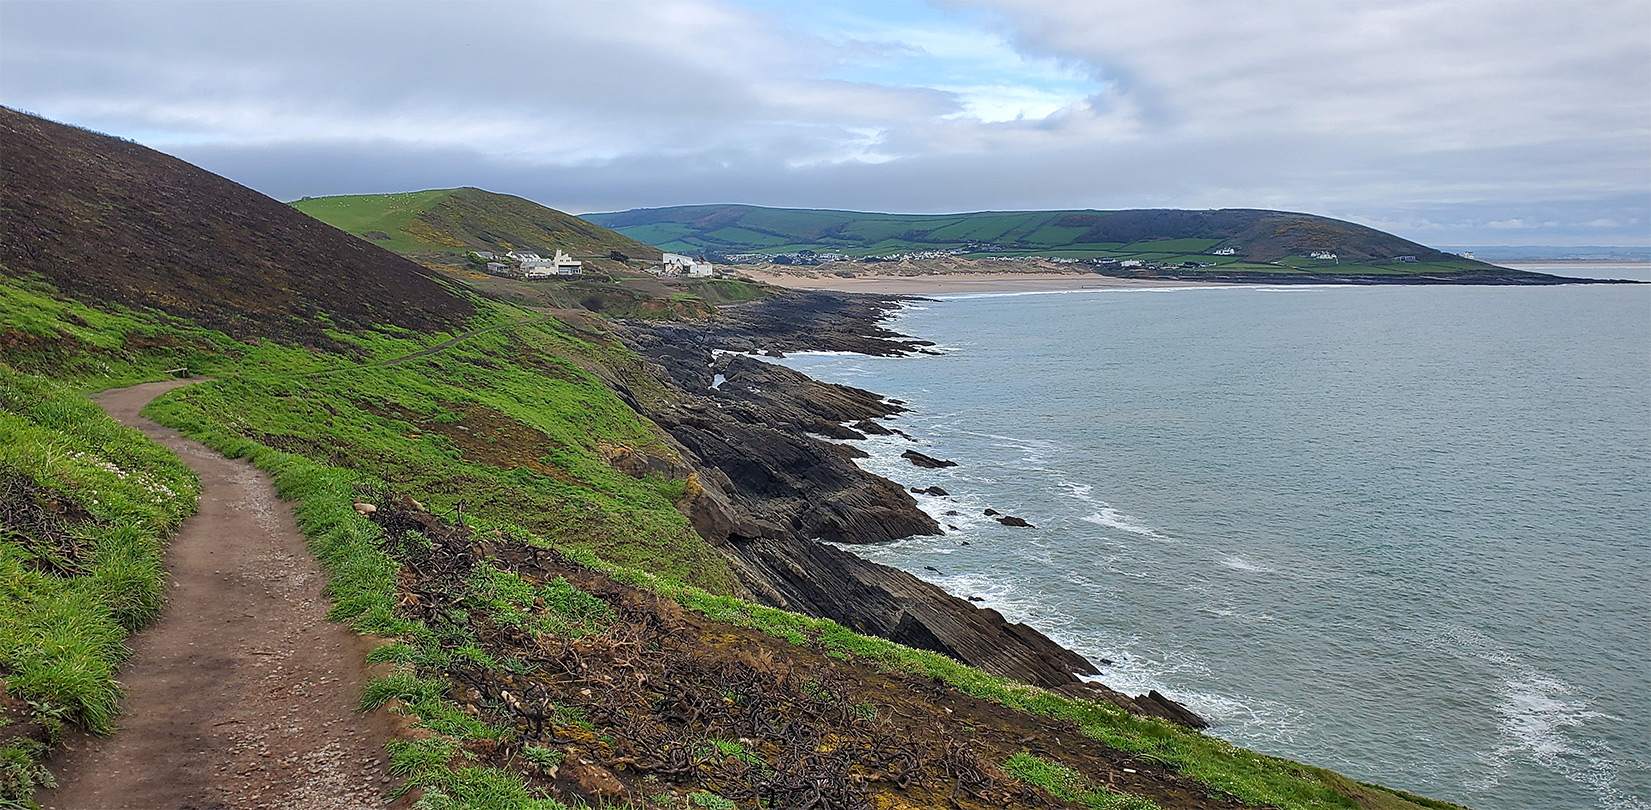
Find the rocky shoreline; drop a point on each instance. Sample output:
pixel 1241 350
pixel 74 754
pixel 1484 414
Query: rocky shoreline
pixel 772 480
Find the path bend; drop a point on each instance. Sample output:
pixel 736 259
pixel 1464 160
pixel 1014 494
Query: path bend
pixel 241 694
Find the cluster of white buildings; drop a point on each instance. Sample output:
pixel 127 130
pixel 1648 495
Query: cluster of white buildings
pixel 534 266
pixel 527 264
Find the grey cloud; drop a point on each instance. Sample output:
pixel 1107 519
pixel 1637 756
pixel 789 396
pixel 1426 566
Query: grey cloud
pixel 1437 118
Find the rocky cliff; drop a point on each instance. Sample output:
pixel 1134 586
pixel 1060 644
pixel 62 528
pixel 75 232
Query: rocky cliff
pixel 772 485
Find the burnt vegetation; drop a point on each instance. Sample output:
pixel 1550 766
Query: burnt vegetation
pixel 106 221
pixel 594 690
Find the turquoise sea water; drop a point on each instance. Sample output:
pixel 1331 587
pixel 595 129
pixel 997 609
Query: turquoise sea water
pixel 1400 532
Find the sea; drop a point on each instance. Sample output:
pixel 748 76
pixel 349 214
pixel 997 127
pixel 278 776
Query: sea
pixel 1400 532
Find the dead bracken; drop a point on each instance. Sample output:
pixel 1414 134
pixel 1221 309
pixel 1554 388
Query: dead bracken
pixel 633 698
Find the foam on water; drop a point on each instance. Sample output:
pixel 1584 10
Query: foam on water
pixel 1295 514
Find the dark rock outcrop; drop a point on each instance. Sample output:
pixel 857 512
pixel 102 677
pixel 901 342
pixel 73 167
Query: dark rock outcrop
pixel 1011 520
pixel 928 462
pixel 937 491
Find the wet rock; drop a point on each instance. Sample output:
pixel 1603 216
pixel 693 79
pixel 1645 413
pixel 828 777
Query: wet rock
pixel 931 491
pixel 951 511
pixel 1157 705
pixel 1011 520
pixel 871 428
pixel 928 462
pixel 825 581
pixel 990 512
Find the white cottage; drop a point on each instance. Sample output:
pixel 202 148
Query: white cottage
pixel 677 264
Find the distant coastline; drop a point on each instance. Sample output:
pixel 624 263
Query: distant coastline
pixel 941 283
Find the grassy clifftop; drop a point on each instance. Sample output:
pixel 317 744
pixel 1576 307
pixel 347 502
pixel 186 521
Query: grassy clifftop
pixel 456 220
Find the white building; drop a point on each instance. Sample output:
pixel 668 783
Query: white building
pixel 1325 255
pixel 566 265
pixel 677 264
pixel 560 265
pixel 523 255
pixel 1226 251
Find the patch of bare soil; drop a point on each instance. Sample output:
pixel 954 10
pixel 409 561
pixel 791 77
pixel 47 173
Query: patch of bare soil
pixel 658 702
pixel 242 694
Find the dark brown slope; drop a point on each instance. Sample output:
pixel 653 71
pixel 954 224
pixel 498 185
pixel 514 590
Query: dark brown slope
pixel 105 220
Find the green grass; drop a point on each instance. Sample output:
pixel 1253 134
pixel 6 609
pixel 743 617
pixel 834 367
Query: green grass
pixel 457 220
pixel 1069 785
pixel 88 506
pixel 390 214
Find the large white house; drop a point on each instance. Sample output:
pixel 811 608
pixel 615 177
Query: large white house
pixel 560 265
pixel 677 264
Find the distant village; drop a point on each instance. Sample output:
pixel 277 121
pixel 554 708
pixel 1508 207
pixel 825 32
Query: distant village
pixel 1142 266
pixel 528 265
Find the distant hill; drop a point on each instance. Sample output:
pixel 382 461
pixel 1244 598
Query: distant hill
pixel 1233 240
pixel 456 220
pixel 106 220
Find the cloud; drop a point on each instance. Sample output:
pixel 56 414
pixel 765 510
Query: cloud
pixel 1446 116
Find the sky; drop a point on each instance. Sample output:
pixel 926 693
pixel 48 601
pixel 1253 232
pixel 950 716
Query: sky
pixel 1450 122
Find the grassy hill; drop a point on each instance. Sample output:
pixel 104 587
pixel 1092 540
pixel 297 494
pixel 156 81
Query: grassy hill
pixel 456 220
pixel 1221 241
pixel 560 632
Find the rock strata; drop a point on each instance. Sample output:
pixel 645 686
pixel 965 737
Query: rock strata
pixel 770 483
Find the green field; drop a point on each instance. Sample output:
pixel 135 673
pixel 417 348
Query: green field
pixel 1267 242
pixel 459 220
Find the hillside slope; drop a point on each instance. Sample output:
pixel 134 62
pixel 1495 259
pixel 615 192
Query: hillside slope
pixel 457 220
pixel 1231 239
pixel 496 507
pixel 109 221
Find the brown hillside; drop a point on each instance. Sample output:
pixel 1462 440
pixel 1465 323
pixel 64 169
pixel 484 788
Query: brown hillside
pixel 106 220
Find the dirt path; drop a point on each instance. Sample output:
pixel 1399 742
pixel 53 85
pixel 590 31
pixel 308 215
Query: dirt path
pixel 241 695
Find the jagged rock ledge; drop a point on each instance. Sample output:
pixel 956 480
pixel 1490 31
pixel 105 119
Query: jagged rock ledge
pixel 770 485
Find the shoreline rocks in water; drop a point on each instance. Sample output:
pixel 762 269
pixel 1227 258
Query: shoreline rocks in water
pixel 928 462
pixel 768 490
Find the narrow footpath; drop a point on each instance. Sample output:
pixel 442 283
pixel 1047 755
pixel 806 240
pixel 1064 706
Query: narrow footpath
pixel 242 694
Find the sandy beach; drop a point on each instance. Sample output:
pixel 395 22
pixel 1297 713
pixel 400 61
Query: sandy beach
pixel 942 283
